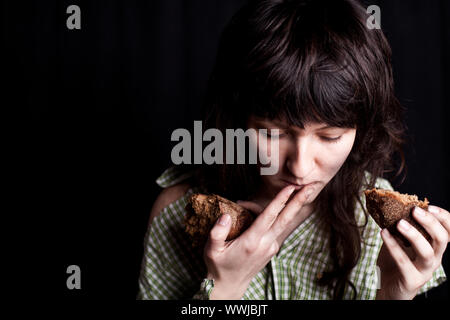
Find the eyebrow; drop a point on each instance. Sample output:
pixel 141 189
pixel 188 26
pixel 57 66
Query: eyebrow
pixel 276 122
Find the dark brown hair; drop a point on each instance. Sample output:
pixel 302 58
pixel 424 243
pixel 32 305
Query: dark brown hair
pixel 302 61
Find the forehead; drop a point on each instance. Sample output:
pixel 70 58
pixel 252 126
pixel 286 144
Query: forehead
pixel 281 123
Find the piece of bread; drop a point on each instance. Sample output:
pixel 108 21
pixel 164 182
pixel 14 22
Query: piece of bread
pixel 388 207
pixel 204 210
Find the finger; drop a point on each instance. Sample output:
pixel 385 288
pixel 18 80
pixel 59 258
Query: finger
pixel 290 211
pixel 252 206
pixel 218 234
pixel 401 259
pixel 425 255
pixel 443 216
pixel 434 229
pixel 265 220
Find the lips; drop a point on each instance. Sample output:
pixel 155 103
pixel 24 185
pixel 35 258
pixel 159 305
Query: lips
pixel 299 186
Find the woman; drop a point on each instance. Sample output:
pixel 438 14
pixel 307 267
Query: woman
pixel 314 71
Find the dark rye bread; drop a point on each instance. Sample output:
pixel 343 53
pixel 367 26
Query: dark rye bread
pixel 388 207
pixel 203 212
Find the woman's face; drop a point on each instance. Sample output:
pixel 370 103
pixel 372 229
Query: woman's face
pixel 310 156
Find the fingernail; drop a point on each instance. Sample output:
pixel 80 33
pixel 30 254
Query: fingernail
pixel 404 225
pixel 386 233
pixel 224 219
pixel 420 211
pixel 433 209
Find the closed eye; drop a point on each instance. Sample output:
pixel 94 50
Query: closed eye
pixel 331 140
pixel 272 133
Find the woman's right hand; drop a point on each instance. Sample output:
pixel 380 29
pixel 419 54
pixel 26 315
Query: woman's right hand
pixel 233 264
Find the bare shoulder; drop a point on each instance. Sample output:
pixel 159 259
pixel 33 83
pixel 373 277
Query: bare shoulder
pixel 166 197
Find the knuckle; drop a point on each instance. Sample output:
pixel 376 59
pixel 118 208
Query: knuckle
pixel 432 221
pixel 414 234
pixel 442 237
pixel 284 222
pixel 298 200
pixel 273 249
pixel 268 215
pixel 428 255
pixel 266 242
pixel 252 237
pixel 250 247
pixel 429 262
pixel 402 260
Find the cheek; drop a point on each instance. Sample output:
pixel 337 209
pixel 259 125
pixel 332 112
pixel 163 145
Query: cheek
pixel 333 156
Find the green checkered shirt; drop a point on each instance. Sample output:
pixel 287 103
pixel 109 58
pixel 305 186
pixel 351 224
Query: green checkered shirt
pixel 172 269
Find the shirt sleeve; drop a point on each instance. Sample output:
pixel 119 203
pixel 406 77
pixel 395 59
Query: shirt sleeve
pixel 204 293
pixel 438 278
pixel 171 268
pixel 172 176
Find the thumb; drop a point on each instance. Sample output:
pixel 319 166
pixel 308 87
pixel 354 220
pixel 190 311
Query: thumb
pixel 219 233
pixel 252 206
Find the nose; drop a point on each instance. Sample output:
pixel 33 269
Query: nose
pixel 300 161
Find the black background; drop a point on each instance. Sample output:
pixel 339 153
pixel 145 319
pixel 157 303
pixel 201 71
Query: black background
pixel 89 114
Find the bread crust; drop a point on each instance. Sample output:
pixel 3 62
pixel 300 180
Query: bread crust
pixel 388 207
pixel 204 210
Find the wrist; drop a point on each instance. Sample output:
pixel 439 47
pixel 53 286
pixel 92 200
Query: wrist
pixel 384 295
pixel 224 290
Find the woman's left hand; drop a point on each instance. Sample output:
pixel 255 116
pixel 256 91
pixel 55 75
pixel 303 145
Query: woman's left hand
pixel 405 270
